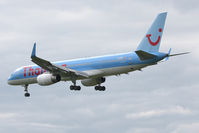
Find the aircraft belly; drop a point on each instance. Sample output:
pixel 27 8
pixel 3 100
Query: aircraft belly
pixel 117 70
pixel 23 81
pixel 114 70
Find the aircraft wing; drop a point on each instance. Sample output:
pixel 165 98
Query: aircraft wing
pixel 53 68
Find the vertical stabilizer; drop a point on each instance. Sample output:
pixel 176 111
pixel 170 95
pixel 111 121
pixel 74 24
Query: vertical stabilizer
pixel 152 39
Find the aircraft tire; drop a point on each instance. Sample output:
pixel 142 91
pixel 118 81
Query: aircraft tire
pixel 78 88
pixel 27 94
pixel 103 88
pixel 72 87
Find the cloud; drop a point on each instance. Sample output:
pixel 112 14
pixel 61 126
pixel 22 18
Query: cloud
pixel 7 115
pixel 185 128
pixel 85 112
pixel 83 14
pixel 142 130
pixel 178 110
pixel 45 125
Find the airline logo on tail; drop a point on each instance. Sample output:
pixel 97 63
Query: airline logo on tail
pixel 156 42
pixel 151 40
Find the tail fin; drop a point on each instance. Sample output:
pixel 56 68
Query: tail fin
pixel 152 39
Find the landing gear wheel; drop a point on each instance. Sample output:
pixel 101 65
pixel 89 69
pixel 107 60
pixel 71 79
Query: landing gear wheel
pixel 76 88
pixel 26 91
pixel 96 88
pixel 27 94
pixel 103 88
pixel 100 88
pixel 72 87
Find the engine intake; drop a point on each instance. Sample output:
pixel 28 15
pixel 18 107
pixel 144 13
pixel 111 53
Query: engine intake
pixel 93 82
pixel 48 79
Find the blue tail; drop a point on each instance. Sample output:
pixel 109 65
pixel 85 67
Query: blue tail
pixel 152 39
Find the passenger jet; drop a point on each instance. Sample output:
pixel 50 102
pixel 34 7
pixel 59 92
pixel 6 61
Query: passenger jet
pixel 94 70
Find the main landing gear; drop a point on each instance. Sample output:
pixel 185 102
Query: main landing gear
pixel 74 87
pixel 26 91
pixel 100 88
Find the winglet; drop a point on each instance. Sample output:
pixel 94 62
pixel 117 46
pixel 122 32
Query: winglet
pixel 33 51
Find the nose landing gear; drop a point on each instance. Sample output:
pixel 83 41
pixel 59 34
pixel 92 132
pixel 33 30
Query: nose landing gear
pixel 26 91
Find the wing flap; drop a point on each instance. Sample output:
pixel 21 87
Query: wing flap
pixel 68 71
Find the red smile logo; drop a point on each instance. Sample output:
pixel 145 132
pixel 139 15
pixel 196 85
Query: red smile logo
pixel 156 42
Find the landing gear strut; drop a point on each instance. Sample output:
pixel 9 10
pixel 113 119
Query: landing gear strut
pixel 26 91
pixel 74 87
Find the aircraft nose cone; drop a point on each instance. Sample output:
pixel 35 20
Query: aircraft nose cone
pixel 10 82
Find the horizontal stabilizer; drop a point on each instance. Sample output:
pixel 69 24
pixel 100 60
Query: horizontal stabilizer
pixel 144 55
pixel 179 54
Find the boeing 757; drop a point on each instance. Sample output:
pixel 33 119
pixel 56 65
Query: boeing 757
pixel 94 70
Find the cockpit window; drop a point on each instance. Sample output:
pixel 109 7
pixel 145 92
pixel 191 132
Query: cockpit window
pixel 18 69
pixel 12 73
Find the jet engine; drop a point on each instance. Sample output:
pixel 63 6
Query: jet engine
pixel 48 79
pixel 93 82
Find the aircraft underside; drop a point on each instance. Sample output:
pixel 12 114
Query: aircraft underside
pixel 94 74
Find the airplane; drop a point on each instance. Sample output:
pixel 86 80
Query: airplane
pixel 93 71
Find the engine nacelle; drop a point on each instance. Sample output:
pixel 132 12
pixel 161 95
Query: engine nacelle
pixel 48 79
pixel 93 82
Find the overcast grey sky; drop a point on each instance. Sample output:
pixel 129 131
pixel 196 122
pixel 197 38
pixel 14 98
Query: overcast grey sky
pixel 161 99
